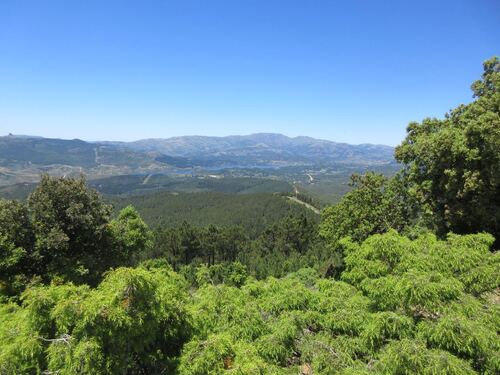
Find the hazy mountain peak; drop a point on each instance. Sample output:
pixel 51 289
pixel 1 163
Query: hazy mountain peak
pixel 33 155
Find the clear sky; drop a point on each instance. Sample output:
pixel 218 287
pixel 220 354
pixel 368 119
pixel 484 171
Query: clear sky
pixel 350 71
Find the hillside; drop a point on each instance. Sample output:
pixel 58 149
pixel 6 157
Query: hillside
pixel 24 158
pixel 140 184
pixel 265 148
pixel 254 212
pixel 126 185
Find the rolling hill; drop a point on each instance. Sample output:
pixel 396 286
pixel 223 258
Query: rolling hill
pixel 133 185
pixel 254 212
pixel 301 160
pixel 265 149
pixel 24 158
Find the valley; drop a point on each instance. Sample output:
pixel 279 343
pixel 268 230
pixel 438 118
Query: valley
pixel 236 164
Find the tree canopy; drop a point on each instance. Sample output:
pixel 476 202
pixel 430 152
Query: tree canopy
pixel 423 306
pixel 65 230
pixel 375 205
pixel 454 163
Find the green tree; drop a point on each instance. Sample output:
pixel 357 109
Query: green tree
pixel 17 240
pixel 211 243
pixel 190 243
pixel 168 245
pixel 234 241
pixel 132 236
pixel 375 205
pixel 283 247
pixel 134 322
pixel 453 164
pixel 71 225
pixel 292 234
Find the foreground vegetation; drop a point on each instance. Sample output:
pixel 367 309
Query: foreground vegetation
pixel 424 306
pixel 400 277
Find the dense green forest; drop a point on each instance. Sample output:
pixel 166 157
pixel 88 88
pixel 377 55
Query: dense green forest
pixel 401 276
pixel 254 212
pixel 133 185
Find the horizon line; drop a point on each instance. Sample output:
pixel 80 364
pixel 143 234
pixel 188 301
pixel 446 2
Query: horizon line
pixel 193 135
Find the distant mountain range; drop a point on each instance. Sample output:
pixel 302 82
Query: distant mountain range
pixel 23 158
pixel 264 149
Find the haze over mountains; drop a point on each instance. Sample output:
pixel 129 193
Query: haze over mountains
pixel 265 148
pixel 23 158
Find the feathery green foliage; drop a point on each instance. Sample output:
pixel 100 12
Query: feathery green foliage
pixel 401 306
pixel 134 321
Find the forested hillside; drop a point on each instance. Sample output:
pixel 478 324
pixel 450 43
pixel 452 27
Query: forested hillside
pixel 133 185
pixel 402 276
pixel 251 211
pixel 137 185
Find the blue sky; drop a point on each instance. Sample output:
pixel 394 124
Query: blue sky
pixel 350 71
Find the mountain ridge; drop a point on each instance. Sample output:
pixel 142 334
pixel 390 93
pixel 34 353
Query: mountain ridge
pixel 232 136
pixel 24 158
pixel 308 148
